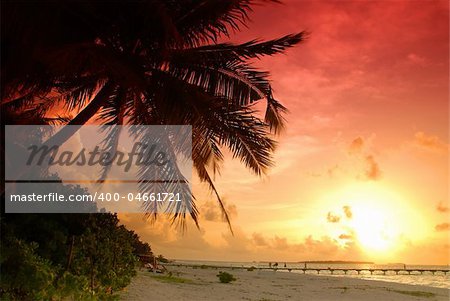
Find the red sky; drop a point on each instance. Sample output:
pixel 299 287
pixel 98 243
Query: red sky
pixel 368 129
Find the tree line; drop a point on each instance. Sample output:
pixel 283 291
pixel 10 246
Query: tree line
pixel 67 256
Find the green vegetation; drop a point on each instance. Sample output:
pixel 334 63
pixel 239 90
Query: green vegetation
pixel 162 259
pixel 225 277
pixel 66 256
pixel 251 269
pixel 170 279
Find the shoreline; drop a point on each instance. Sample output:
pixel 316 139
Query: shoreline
pixel 202 284
pixel 432 276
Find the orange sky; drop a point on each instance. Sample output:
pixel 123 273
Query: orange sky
pixel 367 129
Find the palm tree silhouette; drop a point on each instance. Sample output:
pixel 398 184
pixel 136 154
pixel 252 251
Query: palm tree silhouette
pixel 144 63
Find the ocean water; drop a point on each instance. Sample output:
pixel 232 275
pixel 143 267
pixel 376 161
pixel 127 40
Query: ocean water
pixel 426 279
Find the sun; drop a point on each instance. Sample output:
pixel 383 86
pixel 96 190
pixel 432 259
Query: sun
pixel 374 229
pixel 379 217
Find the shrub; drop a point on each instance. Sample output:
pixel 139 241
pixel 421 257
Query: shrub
pixel 251 269
pixel 225 277
pixel 162 259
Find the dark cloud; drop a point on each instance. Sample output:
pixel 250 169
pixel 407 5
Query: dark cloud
pixel 442 227
pixel 442 207
pixel 331 218
pixel 348 211
pixel 373 171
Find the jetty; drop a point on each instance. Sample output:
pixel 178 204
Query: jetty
pixel 329 270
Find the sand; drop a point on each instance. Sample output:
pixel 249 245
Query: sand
pixel 202 284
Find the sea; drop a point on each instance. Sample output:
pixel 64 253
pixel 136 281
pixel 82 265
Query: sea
pixel 439 279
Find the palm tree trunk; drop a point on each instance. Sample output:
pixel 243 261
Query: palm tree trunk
pixel 87 113
pixel 70 255
pixel 92 275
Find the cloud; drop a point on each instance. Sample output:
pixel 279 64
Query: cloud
pixel 346 236
pixel 331 218
pixel 195 243
pixel 417 59
pixel 442 207
pixel 429 142
pixel 348 211
pixel 211 211
pixel 360 149
pixel 372 171
pixel 442 227
pixel 356 146
pixel 332 170
pixel 325 245
pixel 259 240
pixel 280 243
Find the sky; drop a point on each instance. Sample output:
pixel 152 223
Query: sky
pixel 362 168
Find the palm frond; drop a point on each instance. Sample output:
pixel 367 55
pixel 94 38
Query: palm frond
pixel 203 21
pixel 167 178
pixel 205 153
pixel 241 85
pixel 226 53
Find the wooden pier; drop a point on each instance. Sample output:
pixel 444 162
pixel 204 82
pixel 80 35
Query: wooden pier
pixel 330 271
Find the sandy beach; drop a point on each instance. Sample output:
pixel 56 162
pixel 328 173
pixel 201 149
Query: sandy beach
pixel 202 284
